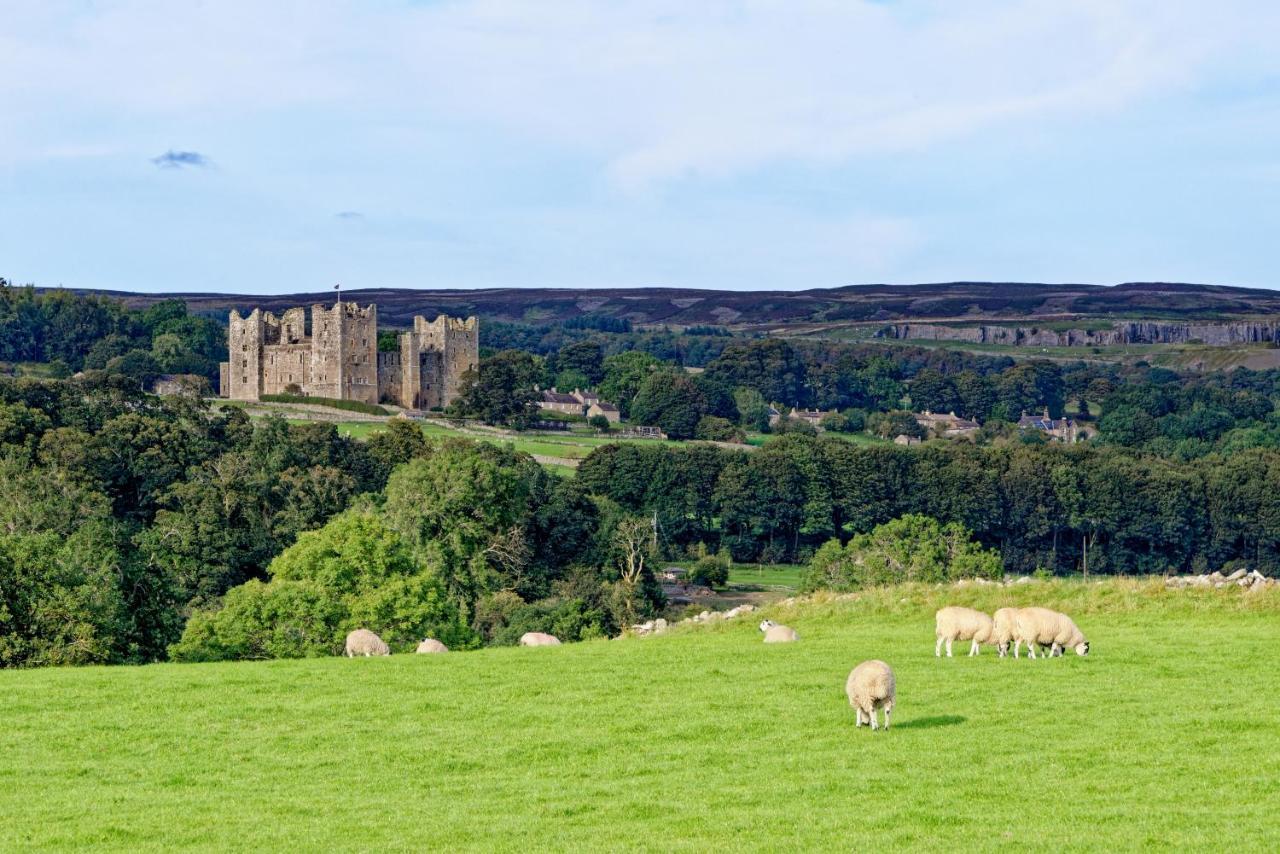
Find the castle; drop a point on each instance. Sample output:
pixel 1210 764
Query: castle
pixel 338 357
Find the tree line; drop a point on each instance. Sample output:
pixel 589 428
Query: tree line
pixel 74 332
pixel 1051 507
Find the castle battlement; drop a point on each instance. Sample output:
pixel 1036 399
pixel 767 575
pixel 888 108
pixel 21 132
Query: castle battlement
pixel 336 355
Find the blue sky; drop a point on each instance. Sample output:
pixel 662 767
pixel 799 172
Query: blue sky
pixel 278 147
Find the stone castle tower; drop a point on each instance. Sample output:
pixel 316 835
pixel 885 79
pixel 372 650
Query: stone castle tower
pixel 338 357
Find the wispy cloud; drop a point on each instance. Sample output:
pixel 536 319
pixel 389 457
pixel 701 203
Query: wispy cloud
pixel 349 215
pixel 181 159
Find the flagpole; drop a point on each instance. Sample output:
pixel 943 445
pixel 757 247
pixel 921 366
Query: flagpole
pixel 338 292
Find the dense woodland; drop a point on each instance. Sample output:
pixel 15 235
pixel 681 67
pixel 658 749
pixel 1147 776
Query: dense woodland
pixel 73 332
pixel 135 528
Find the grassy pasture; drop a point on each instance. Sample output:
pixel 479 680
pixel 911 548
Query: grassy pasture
pixel 1168 735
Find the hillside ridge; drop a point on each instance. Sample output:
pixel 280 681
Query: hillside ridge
pixel 864 303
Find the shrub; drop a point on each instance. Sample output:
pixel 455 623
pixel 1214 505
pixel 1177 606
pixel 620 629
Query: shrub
pixel 353 573
pixel 333 403
pixel 711 570
pixel 714 429
pixel 910 548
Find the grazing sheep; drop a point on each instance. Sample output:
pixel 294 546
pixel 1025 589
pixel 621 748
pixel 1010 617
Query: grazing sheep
pixel 1043 627
pixel 538 639
pixel 778 633
pixel 870 687
pixel 1003 626
pixel 366 643
pixel 955 623
pixel 432 645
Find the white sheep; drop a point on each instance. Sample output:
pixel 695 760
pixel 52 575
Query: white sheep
pixel 1003 627
pixel 1044 627
pixel 778 633
pixel 432 645
pixel 871 686
pixel 538 639
pixel 366 643
pixel 955 623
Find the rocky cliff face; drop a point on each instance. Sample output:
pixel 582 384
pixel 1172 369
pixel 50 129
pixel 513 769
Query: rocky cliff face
pixel 1138 332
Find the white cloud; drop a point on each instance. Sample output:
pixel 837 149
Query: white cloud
pixel 653 90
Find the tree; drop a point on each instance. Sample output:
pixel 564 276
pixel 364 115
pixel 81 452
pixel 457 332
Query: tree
pixel 623 375
pixel 465 510
pixel 772 367
pixel 503 392
pixel 600 423
pixel 671 401
pixel 888 425
pixel 584 357
pixel 753 409
pixel 932 391
pixel 633 547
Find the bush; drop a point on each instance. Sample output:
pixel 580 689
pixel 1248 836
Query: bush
pixel 910 548
pixel 600 423
pixel 714 429
pixel 711 570
pixel 333 403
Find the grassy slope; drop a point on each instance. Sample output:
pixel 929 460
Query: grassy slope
pixel 1167 735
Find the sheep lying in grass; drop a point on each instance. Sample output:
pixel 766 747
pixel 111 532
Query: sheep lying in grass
pixel 1002 630
pixel 432 645
pixel 778 633
pixel 366 643
pixel 954 623
pixel 538 639
pixel 871 686
pixel 1043 627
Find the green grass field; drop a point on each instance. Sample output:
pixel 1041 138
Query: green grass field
pixel 1167 736
pixel 783 575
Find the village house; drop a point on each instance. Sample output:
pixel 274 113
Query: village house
pixel 811 416
pixel 608 410
pixel 774 416
pixel 904 439
pixel 1057 429
pixel 558 401
pixel 949 425
pixel 586 398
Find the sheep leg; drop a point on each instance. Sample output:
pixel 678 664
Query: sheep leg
pixel 887 709
pixel 973 650
pixel 948 647
pixel 1031 649
pixel 857 714
pixel 937 648
pixel 1017 648
pixel 873 718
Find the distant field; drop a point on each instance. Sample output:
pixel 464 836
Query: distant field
pixel 785 575
pixel 39 370
pixel 1167 736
